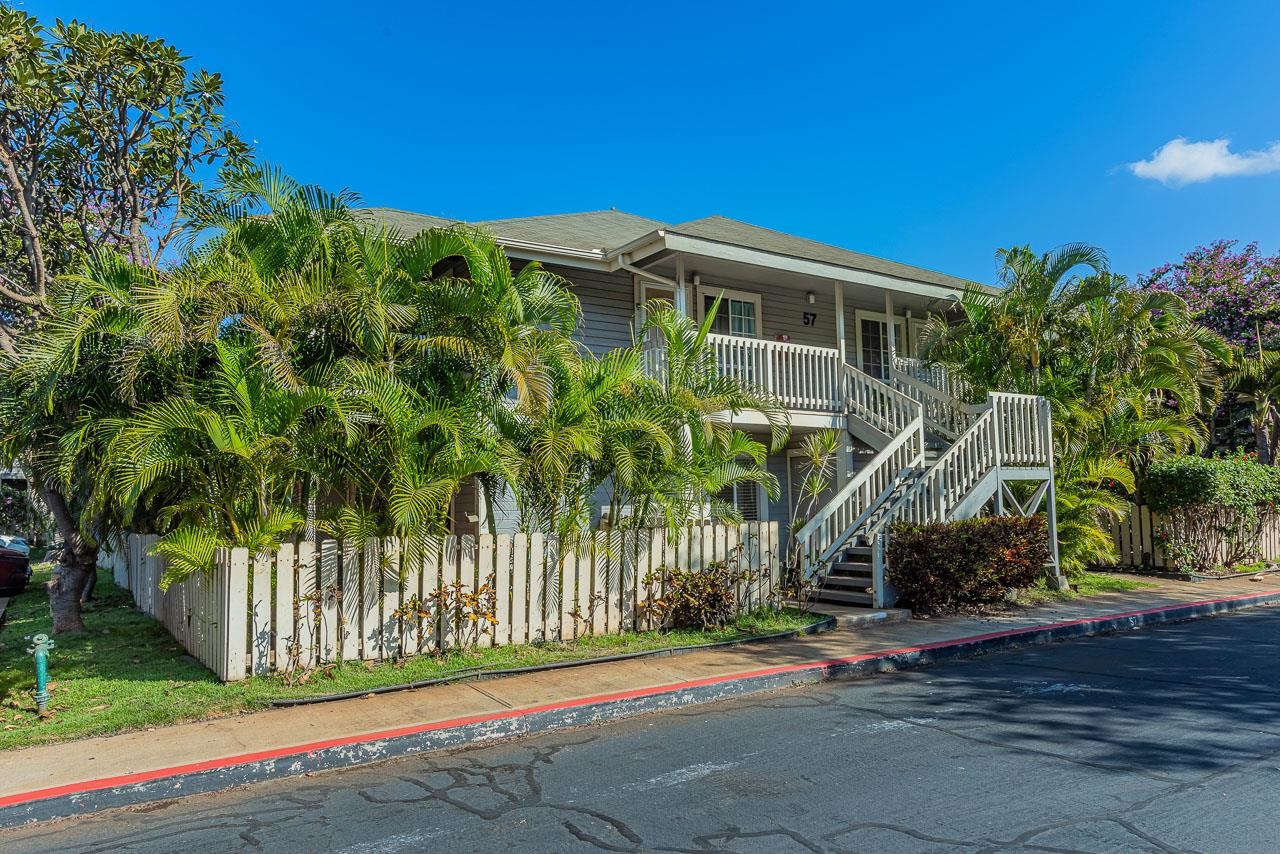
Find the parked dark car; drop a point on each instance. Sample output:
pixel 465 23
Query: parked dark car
pixel 15 572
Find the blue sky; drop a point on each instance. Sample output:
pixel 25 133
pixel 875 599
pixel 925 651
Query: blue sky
pixel 931 134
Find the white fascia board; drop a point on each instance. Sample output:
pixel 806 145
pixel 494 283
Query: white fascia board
pixel 799 419
pixel 638 249
pixel 818 269
pixel 555 255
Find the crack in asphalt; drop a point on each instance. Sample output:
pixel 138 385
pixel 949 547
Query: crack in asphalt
pixel 505 786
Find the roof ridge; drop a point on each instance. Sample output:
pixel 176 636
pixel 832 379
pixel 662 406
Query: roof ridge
pixel 573 213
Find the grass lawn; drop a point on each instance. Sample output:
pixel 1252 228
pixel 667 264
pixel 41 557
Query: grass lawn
pixel 128 673
pixel 1089 584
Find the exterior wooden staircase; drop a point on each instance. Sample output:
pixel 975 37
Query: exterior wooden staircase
pixel 937 459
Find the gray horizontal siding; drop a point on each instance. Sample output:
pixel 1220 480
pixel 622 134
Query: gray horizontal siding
pixel 783 314
pixel 608 307
pixel 782 311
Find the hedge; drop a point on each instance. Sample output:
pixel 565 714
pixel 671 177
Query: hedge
pixel 945 566
pixel 1236 481
pixel 1212 510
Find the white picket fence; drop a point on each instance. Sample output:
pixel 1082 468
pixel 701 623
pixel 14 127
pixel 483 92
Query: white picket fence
pixel 315 603
pixel 1135 538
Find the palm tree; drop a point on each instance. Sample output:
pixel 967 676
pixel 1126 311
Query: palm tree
pixel 703 400
pixel 1129 375
pixel 217 465
pixel 1008 338
pixel 1255 377
pixel 661 447
pixel 303 369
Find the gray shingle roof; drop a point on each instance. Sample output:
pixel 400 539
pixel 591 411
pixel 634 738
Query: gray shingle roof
pixel 724 230
pixel 406 223
pixel 611 229
pixel 602 230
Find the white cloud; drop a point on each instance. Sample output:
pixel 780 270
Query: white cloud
pixel 1180 162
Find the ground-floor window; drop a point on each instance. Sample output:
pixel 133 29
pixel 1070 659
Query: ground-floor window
pixel 745 497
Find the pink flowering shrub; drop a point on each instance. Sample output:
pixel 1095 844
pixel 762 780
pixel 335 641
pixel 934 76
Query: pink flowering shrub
pixel 1235 293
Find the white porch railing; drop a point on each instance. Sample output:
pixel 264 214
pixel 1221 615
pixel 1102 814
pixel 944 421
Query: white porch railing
pixel 800 376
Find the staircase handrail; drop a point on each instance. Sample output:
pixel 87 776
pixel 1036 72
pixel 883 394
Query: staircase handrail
pixel 933 375
pixel 933 496
pixel 943 414
pixel 867 514
pixel 904 450
pixel 1010 430
pixel 879 404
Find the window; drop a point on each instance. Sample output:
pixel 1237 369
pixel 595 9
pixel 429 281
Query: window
pixel 739 312
pixel 745 497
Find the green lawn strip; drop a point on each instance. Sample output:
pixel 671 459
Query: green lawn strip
pixel 1084 586
pixel 127 673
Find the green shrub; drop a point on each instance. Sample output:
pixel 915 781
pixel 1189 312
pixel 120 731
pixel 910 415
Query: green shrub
pixel 1212 510
pixel 940 567
pixel 706 598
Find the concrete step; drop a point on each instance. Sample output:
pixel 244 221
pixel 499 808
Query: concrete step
pixel 843 597
pixel 858 615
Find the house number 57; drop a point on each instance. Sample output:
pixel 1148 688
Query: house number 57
pixel 810 318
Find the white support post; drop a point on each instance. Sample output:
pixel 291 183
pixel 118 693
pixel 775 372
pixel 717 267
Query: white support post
pixel 877 571
pixel 890 327
pixel 1051 509
pixel 682 289
pixel 840 342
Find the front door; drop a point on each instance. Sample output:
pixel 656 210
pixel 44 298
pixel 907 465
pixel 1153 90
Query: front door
pixel 654 346
pixel 873 343
pixel 798 505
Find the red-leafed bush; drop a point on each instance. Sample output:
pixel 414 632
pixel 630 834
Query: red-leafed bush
pixel 942 567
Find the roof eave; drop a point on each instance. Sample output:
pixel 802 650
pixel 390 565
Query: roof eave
pixel 677 242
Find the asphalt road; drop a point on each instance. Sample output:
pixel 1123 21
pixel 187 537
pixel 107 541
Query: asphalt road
pixel 1166 739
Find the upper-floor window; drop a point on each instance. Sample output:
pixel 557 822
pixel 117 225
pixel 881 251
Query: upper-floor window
pixel 739 312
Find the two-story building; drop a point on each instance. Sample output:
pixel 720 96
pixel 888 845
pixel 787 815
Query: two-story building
pixel 831 332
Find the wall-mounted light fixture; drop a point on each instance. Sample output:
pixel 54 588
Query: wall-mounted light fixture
pixel 811 297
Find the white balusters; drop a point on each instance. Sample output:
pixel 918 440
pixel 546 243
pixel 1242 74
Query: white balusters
pixel 801 377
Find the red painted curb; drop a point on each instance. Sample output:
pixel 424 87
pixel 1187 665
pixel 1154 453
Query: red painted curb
pixel 417 729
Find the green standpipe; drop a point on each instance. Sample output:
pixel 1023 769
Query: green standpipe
pixel 40 646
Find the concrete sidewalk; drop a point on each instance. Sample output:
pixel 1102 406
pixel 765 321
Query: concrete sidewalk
pixel 83 776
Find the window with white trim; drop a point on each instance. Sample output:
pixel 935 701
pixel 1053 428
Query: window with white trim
pixel 745 497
